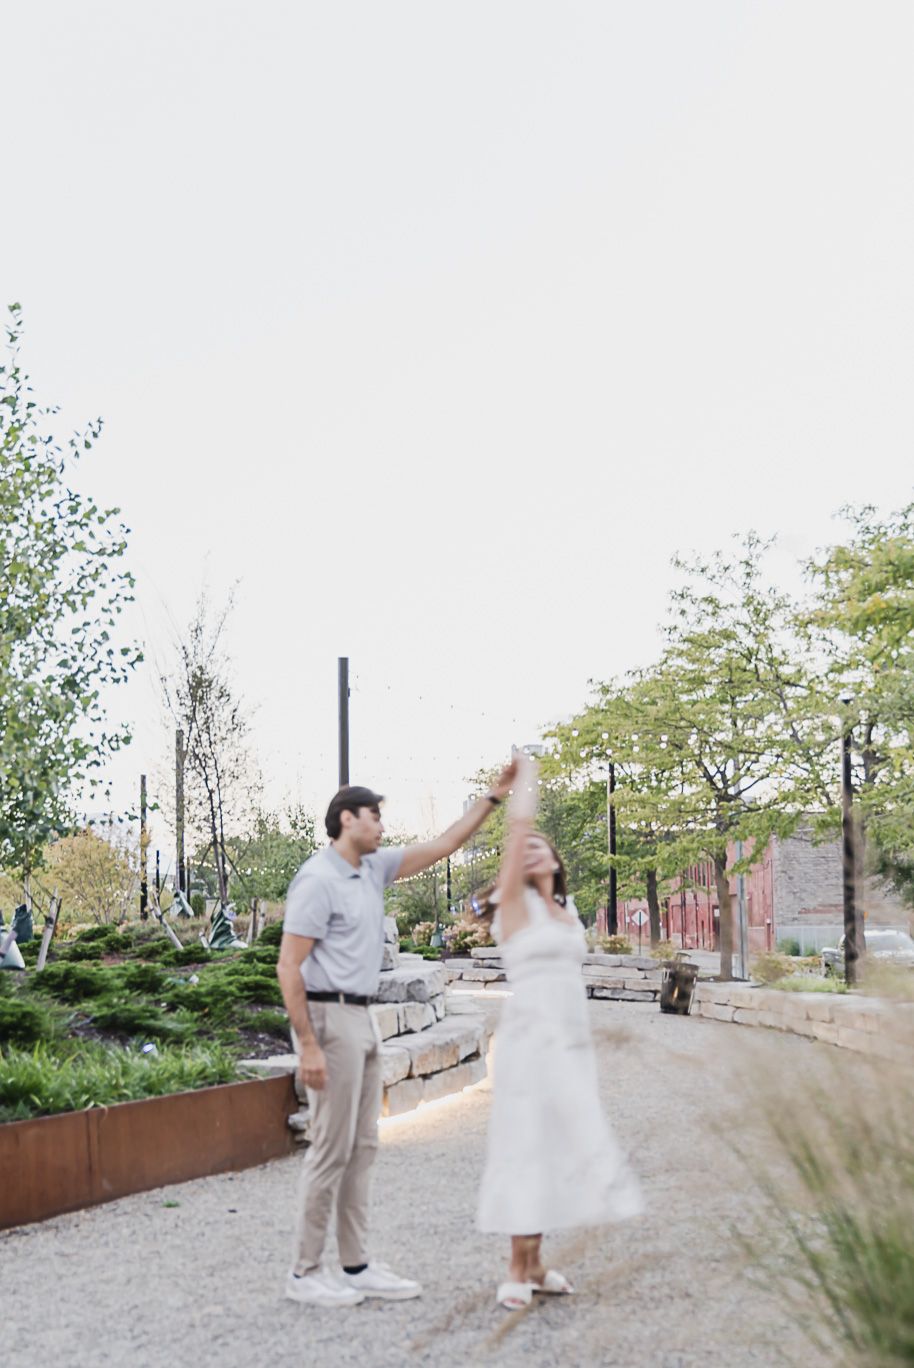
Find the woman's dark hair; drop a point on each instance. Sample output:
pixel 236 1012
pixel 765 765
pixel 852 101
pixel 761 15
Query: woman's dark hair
pixel 484 907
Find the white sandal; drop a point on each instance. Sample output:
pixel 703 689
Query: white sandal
pixel 514 1296
pixel 555 1284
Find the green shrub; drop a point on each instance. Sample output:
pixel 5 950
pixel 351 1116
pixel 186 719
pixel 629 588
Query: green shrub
pixel 771 967
pixel 141 978
pixel 270 935
pixel 72 982
pixel 180 959
pixel 127 1016
pixel 608 945
pixel 790 946
pixel 271 1022
pixel 23 1022
pixel 42 1081
pixel 664 950
pixel 198 904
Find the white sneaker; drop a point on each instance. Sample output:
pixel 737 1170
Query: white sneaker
pixel 377 1281
pixel 320 1288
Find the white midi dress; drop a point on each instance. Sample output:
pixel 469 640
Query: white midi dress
pixel 552 1161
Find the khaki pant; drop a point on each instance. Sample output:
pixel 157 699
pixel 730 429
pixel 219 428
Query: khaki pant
pixel 344 1137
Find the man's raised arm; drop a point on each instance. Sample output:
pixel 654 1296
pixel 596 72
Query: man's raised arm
pixel 426 853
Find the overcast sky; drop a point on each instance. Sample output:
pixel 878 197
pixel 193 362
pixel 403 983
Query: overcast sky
pixel 440 327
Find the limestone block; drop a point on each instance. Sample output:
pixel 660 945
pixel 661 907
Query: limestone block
pixel 851 1015
pixel 718 993
pixel 462 1006
pixel 853 1039
pixel 744 1016
pixel 604 980
pixel 391 934
pixel 439 1006
pixel 299 1124
pixel 743 997
pixel 825 1030
pixel 454 1080
pixel 720 1012
pixel 475 975
pixel 274 1067
pixel 801 1026
pixel 623 995
pixel 391 957
pixel 638 962
pixel 603 970
pixel 796 1005
pixel 444 1044
pixel 402 1097
pixel 415 1016
pixel 386 1018
pixel 607 961
pixel 642 985
pixel 485 952
pixel 394 1064
pixel 589 990
pixel 414 982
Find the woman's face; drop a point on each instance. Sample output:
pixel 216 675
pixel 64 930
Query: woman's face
pixel 538 859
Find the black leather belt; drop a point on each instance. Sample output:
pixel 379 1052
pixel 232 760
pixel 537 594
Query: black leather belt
pixel 352 999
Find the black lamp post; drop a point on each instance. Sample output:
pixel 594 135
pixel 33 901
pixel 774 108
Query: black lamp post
pixel 854 944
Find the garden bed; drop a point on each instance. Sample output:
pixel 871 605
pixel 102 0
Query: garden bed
pixel 77 1159
pixel 122 1015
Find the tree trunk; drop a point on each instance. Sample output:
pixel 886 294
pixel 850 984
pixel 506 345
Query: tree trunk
pixel 653 906
pixel 726 916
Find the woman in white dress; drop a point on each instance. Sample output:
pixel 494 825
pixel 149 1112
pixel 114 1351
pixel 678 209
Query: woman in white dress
pixel 552 1160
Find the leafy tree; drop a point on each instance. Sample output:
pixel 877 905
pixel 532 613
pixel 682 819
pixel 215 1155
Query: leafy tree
pixel 724 739
pixel 264 860
pixel 645 857
pixel 221 781
pixel 861 622
pixel 63 592
pixel 96 873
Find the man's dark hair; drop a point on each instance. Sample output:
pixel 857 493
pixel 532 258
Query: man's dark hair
pixel 350 798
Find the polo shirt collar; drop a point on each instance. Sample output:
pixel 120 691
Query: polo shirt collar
pixel 340 865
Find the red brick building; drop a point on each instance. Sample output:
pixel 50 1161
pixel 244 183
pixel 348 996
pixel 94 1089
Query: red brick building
pixel 793 891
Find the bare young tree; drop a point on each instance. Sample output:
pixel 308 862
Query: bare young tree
pixel 220 779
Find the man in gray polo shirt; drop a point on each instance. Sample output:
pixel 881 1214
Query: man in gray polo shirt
pixel 329 963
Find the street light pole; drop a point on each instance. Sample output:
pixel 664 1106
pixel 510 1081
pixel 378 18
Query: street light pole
pixel 612 911
pixel 343 681
pixel 854 944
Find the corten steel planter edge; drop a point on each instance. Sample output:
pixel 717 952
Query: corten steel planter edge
pixel 54 1164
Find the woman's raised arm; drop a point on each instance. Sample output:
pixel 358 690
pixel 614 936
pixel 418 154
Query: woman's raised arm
pixel 521 812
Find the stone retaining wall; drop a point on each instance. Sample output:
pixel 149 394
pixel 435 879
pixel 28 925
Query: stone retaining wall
pixel 429 1048
pixel 870 1025
pixel 631 978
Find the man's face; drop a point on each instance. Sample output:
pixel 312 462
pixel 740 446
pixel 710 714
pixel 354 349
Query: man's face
pixel 365 829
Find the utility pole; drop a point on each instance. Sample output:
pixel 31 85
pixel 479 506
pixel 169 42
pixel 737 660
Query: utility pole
pixel 854 944
pixel 179 808
pixel 144 892
pixel 158 880
pixel 612 911
pixel 343 669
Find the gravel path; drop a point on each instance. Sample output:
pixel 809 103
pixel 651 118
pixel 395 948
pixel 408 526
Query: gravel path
pixel 139 1283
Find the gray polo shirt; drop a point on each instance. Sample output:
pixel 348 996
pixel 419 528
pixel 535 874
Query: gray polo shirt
pixel 342 910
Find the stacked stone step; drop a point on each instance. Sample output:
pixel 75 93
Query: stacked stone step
pixel 426 1054
pixel 629 978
